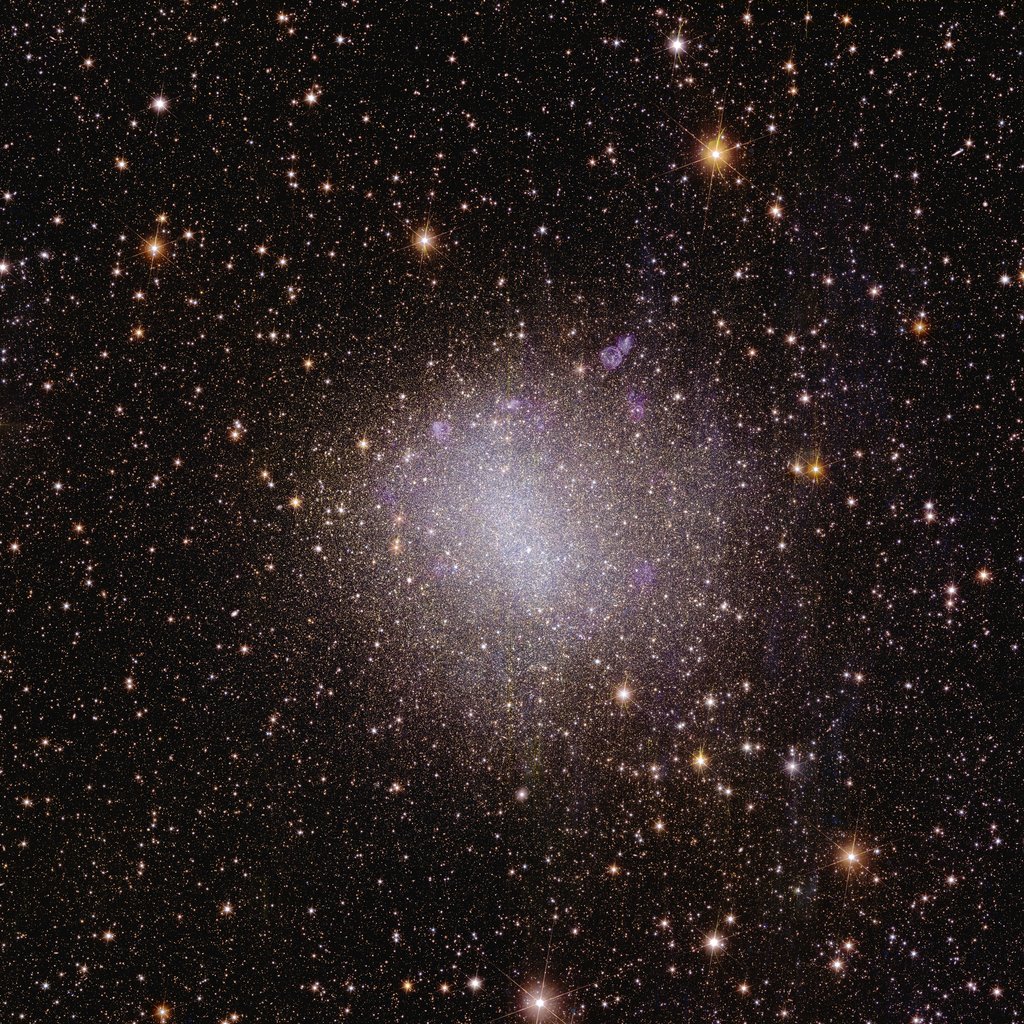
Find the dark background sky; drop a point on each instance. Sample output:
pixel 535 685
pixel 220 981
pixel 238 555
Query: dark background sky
pixel 364 634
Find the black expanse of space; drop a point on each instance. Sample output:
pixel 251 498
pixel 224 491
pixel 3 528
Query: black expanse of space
pixel 511 511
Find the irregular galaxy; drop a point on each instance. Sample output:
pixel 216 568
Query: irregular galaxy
pixel 536 521
pixel 512 512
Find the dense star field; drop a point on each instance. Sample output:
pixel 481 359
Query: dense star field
pixel 511 511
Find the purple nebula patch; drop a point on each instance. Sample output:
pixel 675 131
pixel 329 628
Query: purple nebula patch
pixel 441 430
pixel 611 357
pixel 644 575
pixel 444 569
pixel 637 405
